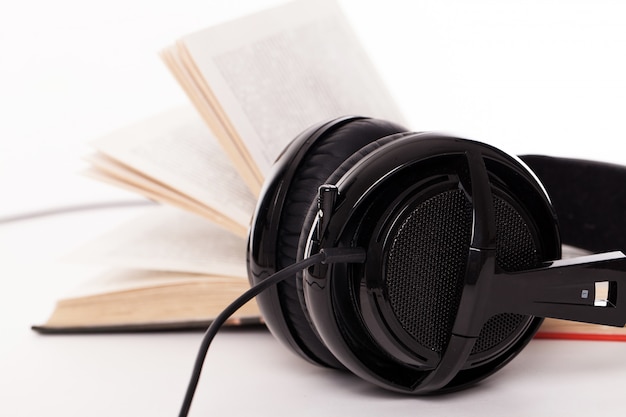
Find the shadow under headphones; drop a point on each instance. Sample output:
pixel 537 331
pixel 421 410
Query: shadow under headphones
pixel 461 251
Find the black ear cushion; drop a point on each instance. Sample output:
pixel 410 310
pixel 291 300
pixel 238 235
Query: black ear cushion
pixel 333 179
pixel 324 157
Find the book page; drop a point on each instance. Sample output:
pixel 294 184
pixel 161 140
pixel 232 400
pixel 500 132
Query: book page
pixel 174 63
pixel 168 239
pixel 177 151
pixel 118 280
pixel 271 75
pixel 107 170
pixel 122 300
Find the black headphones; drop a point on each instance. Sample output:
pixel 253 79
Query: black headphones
pixel 462 251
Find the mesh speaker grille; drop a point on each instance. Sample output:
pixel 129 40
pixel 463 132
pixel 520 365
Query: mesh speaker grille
pixel 426 264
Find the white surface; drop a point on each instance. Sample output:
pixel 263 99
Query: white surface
pixel 247 372
pixel 533 76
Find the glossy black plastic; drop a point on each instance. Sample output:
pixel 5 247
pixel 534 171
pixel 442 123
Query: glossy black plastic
pixel 262 241
pixel 566 289
pixel 345 305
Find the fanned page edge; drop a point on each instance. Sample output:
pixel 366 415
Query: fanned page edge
pixel 248 316
pixel 182 67
pixel 163 194
pixel 263 141
pixel 232 141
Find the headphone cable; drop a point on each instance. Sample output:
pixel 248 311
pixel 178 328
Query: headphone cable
pixel 325 256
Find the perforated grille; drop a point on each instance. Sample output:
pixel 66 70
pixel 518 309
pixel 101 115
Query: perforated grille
pixel 426 265
pixel 515 251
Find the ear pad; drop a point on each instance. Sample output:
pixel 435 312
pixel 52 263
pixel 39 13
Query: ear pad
pixel 327 153
pixel 332 179
pixel 310 216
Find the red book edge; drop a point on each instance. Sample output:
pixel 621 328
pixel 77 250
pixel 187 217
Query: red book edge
pixel 581 336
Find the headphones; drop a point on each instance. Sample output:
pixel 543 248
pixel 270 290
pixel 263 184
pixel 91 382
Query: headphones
pixel 462 251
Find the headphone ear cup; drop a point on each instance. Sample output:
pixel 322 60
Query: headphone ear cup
pixel 392 319
pixel 283 310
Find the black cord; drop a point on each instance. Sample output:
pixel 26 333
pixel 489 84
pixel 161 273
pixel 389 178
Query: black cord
pixel 326 256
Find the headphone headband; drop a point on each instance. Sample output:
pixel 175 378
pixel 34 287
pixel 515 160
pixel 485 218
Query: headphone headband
pixel 589 198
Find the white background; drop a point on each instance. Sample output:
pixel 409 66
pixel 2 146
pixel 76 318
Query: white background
pixel 529 76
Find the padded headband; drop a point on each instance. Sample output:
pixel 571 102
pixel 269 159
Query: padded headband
pixel 589 198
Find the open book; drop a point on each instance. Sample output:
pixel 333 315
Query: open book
pixel 255 83
pixel 169 269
